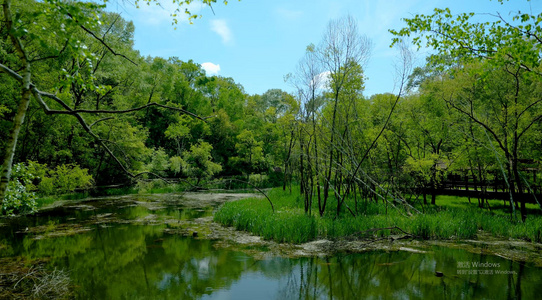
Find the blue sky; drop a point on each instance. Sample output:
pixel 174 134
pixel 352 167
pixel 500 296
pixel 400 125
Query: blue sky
pixel 257 42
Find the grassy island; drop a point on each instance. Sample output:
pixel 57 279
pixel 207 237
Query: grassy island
pixel 290 223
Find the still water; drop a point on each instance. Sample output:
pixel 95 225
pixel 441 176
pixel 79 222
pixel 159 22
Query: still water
pixel 116 249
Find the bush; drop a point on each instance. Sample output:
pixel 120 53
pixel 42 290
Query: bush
pixel 147 186
pixel 64 179
pixel 18 199
pixel 258 180
pixel 29 178
pixel 67 178
pixel 46 186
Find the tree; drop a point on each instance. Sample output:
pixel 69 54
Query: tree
pixel 499 63
pixel 250 152
pixel 49 31
pixel 198 162
pixel 309 82
pixel 343 52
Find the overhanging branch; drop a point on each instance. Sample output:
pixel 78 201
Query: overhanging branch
pixel 88 128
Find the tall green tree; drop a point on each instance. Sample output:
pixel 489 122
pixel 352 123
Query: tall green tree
pixel 499 61
pixel 37 33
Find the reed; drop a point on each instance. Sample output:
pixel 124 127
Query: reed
pixel 291 224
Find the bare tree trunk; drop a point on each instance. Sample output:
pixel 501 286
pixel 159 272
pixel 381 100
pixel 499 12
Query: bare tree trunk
pixel 287 160
pixel 21 110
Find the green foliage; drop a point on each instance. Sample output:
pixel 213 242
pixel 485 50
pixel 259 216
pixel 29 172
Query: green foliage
pixel 47 186
pixel 67 178
pixel 181 7
pixel 160 162
pixel 199 162
pixel 444 223
pixel 176 164
pixel 433 167
pixel 250 152
pixel 3 110
pixel 145 187
pixel 18 198
pixel 35 177
pixel 458 37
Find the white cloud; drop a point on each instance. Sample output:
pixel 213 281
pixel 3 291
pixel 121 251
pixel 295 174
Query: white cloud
pixel 321 81
pixel 288 14
pixel 210 68
pixel 221 28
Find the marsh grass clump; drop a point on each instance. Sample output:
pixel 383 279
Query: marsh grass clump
pixel 18 280
pixel 290 223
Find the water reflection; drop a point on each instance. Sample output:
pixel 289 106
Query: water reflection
pixel 127 261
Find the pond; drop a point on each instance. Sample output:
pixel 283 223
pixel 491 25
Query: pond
pixel 129 248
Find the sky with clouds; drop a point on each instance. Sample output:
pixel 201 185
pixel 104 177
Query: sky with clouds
pixel 258 42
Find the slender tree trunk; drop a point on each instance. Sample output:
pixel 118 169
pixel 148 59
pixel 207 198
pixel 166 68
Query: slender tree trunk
pixel 287 160
pixel 18 120
pixel 519 188
pixel 309 180
pixel 433 183
pixel 327 180
pixel 316 164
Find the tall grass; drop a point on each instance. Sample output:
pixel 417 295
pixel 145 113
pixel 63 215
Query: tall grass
pixel 290 223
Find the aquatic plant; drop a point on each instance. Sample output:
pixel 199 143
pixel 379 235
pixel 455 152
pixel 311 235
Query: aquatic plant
pixel 290 223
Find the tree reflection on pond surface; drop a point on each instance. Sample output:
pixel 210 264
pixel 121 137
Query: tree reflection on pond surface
pixel 128 261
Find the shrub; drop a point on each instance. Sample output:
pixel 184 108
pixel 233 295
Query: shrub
pixel 63 179
pixel 46 186
pixel 257 179
pixel 30 177
pixel 18 199
pixel 148 186
pixel 67 178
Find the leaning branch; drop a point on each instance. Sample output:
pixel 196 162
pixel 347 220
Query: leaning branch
pixel 259 190
pixel 10 72
pixel 101 40
pixel 100 120
pixel 88 128
pixel 70 111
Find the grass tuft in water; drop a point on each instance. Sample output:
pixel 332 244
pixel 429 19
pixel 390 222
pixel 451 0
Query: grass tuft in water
pixel 290 223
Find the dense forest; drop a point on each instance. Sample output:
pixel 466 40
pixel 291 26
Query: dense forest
pixel 80 107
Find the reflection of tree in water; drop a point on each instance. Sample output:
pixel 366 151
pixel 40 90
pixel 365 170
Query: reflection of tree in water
pixel 405 275
pixel 129 261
